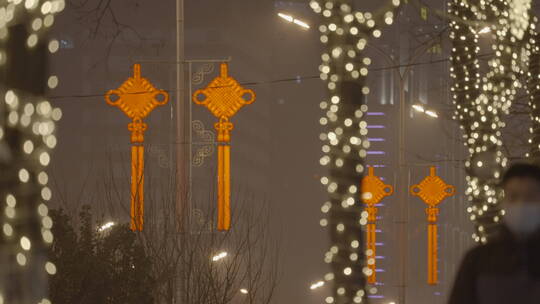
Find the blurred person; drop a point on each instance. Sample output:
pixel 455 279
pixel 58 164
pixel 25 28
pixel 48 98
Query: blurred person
pixel 507 268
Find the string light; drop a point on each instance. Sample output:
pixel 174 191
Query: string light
pixel 344 67
pixel 533 90
pixel 27 127
pixel 482 102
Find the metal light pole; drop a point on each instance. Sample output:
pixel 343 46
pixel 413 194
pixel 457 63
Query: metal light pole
pixel 181 144
pixel 404 219
pixel 182 124
pixel 403 183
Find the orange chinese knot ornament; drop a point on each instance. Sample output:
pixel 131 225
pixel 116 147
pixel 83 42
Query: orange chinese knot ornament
pixel 432 190
pixel 374 190
pixel 223 97
pixel 137 97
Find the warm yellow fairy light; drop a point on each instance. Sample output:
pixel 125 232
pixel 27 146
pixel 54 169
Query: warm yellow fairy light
pixel 482 102
pixel 29 120
pixel 533 90
pixel 484 30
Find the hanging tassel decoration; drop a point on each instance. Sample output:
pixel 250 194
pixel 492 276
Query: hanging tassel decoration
pixel 432 190
pixel 223 97
pixel 137 97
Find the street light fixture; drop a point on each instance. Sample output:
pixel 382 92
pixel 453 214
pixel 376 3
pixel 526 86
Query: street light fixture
pixel 106 226
pixel 428 112
pixel 419 108
pixel 316 285
pixel 286 17
pixel 291 19
pixel 219 256
pixel 432 113
pixel 301 23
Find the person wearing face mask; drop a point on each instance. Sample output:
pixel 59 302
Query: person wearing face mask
pixel 507 268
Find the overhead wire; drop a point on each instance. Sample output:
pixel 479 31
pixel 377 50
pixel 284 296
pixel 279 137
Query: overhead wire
pixel 269 82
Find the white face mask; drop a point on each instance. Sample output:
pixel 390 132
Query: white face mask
pixel 522 219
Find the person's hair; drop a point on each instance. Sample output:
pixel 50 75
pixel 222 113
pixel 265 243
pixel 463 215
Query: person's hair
pixel 521 170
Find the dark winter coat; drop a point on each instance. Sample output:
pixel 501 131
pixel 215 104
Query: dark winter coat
pixel 504 271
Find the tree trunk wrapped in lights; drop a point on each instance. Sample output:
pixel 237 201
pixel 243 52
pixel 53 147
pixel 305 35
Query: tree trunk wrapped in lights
pixel 345 34
pixel 533 91
pixel 482 102
pixel 27 127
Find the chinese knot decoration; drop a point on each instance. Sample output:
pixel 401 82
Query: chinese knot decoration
pixel 137 97
pixel 373 191
pixel 432 190
pixel 223 97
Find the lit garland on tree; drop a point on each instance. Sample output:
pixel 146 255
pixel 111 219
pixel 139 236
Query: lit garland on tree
pixel 345 34
pixel 482 102
pixel 27 127
pixel 533 91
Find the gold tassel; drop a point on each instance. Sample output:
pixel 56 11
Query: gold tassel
pixel 371 247
pixel 432 254
pixel 137 188
pixel 373 191
pixel 224 191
